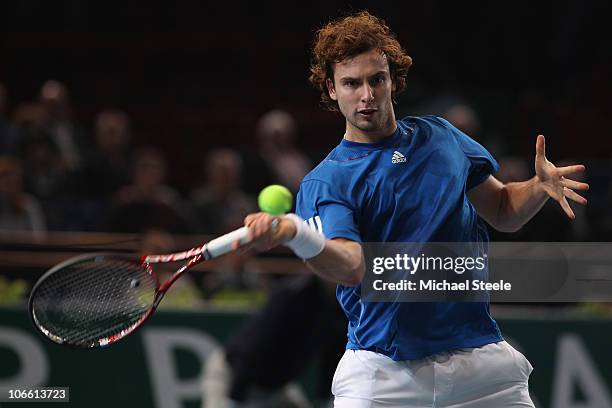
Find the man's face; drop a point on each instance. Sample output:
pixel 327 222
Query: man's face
pixel 362 87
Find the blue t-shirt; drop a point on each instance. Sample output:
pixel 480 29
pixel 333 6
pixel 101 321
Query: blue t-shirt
pixel 408 187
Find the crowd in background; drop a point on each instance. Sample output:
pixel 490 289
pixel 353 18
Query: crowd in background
pixel 57 174
pixel 68 164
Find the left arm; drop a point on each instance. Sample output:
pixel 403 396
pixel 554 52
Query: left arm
pixel 507 207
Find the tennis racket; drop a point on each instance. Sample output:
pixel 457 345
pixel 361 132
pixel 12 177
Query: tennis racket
pixel 94 300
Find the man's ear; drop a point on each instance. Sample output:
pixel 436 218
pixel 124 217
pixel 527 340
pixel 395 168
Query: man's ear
pixel 331 89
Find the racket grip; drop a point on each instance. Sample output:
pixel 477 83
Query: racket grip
pixel 223 244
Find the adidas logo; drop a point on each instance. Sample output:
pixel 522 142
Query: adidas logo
pixel 398 157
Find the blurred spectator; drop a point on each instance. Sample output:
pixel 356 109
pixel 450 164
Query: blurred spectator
pixel 106 168
pixel 464 118
pixel 66 134
pixel 86 196
pixel 112 136
pixel 278 160
pixel 220 205
pixel 44 169
pixel 148 181
pixel 8 133
pixel 513 169
pixel 148 202
pixel 30 115
pixel 19 211
pixel 45 176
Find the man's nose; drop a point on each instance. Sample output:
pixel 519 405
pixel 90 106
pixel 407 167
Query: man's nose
pixel 367 94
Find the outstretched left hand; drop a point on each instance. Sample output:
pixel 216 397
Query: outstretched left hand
pixel 553 179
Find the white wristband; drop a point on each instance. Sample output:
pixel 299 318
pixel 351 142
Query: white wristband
pixel 307 243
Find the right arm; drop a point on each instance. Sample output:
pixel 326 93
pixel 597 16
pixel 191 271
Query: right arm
pixel 340 261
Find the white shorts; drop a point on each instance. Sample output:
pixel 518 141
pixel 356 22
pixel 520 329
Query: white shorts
pixel 491 376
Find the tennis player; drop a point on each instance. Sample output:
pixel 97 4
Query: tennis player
pixel 418 179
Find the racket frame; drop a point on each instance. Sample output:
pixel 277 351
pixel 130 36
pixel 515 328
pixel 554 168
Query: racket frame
pixel 141 262
pixel 213 249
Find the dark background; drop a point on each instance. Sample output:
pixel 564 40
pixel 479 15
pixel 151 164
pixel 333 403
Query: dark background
pixel 193 75
pixel 201 73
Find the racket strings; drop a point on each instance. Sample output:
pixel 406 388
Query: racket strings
pixel 93 299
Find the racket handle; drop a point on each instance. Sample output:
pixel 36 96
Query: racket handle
pixel 217 247
pixel 223 244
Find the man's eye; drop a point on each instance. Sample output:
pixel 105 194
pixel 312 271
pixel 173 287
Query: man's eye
pixel 350 83
pixel 379 80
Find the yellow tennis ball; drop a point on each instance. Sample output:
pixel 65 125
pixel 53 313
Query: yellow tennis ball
pixel 275 199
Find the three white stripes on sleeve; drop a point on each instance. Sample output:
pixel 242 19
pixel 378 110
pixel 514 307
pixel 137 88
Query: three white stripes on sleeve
pixel 315 224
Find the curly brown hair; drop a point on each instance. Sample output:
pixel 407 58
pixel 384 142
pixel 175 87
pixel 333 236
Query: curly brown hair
pixel 347 37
